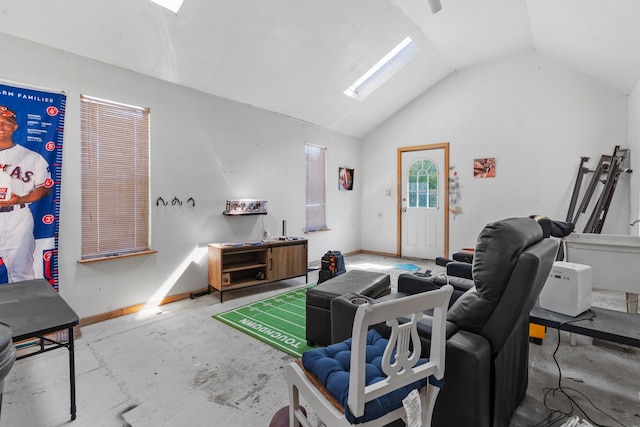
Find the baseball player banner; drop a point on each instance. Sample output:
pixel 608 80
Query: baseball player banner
pixel 31 132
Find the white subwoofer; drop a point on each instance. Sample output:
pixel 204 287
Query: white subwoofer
pixel 567 289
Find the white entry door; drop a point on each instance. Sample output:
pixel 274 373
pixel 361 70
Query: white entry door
pixel 423 206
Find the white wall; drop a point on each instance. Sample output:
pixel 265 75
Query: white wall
pixel 203 147
pixel 535 116
pixel 634 144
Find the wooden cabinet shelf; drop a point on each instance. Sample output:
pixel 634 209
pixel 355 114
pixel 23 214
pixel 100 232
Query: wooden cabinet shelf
pixel 241 267
pixel 235 266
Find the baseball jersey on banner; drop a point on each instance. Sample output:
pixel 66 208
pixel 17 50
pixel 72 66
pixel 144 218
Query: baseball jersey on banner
pixel 5 186
pixel 27 169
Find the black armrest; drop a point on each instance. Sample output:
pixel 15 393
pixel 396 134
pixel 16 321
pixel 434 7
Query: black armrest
pixel 442 261
pixel 460 269
pixel 469 363
pixel 425 326
pixel 343 311
pixel 463 257
pixel 410 284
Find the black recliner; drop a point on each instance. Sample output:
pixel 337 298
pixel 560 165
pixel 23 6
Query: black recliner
pixel 461 266
pixel 487 350
pixel 488 346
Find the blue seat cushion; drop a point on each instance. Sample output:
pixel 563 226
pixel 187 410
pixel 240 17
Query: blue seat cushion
pixel 330 365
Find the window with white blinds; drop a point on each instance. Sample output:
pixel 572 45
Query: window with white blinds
pixel 316 218
pixel 115 179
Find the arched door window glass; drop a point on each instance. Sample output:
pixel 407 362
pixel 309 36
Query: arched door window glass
pixel 422 185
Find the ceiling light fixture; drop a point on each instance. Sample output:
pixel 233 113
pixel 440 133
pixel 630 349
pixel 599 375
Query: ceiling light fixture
pixel 435 6
pixel 384 69
pixel 172 5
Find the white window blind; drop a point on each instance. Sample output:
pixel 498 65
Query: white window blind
pixel 316 188
pixel 115 178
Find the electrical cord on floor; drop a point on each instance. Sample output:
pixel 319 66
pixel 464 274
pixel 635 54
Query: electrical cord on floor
pixel 556 415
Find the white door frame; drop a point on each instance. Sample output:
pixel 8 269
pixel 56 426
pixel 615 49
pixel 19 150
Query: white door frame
pixel 445 211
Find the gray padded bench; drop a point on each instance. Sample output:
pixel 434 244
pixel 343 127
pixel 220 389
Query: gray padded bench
pixel 318 301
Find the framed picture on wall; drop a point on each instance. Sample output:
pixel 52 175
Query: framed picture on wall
pixel 484 168
pixel 345 179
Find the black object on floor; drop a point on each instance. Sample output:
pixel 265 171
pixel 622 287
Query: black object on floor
pixel 426 273
pixel 332 265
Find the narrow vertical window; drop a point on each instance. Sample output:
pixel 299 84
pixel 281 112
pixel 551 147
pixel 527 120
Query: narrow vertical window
pixel 316 218
pixel 115 178
pixel 423 184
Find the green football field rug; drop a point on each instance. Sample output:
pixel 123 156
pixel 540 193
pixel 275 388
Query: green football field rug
pixel 278 321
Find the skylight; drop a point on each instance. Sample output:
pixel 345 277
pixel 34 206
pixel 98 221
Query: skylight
pixel 386 68
pixel 172 5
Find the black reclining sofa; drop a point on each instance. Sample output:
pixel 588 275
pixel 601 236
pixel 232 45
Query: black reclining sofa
pixel 487 352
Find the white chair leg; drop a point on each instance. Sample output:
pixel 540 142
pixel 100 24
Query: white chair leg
pixel 429 403
pixel 294 406
pixel 297 418
pixel 293 422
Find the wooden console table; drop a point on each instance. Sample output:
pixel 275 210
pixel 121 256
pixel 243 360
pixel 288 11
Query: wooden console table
pixel 239 265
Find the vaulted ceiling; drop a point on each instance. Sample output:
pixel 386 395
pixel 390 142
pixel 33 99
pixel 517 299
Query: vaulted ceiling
pixel 296 57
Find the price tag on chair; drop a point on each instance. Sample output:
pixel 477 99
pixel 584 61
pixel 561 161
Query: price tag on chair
pixel 413 408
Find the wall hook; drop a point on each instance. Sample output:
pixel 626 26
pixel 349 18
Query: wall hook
pixel 160 199
pixel 190 199
pixel 176 200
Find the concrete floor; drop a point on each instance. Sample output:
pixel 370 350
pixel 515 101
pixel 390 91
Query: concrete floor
pixel 184 368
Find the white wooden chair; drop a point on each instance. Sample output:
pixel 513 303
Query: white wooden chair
pixel 399 371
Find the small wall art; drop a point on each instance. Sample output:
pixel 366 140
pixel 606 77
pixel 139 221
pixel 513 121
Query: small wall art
pixel 345 179
pixel 246 207
pixel 484 168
